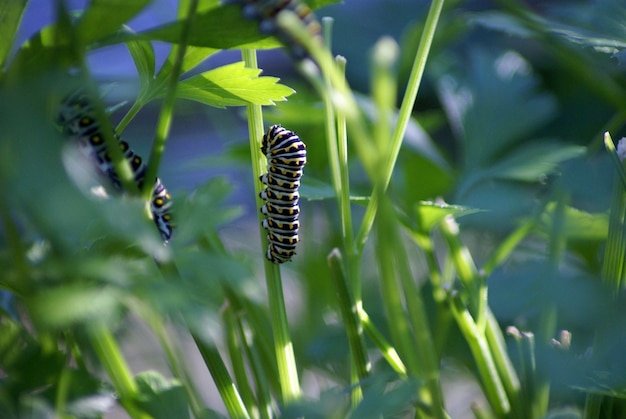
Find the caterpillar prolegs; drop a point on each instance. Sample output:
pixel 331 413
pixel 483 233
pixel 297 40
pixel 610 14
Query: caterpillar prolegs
pixel 286 157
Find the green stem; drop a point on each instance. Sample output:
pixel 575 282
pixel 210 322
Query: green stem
pixel 283 347
pixel 236 353
pixel 424 348
pixel 349 312
pixel 505 367
pixel 264 401
pixel 406 108
pixel 130 115
pixel 391 296
pixel 388 352
pixel 613 269
pixel 112 360
pixel 492 385
pixel 223 382
pixel 474 283
pixel 174 358
pixel 167 110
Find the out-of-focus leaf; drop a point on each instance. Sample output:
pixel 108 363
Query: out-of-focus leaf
pixel 316 4
pixel 599 26
pixel 104 17
pixel 384 399
pixel 10 17
pixel 222 27
pixel 11 339
pixel 161 398
pixel 497 106
pixel 61 307
pixel 203 211
pixel 579 225
pixel 429 214
pixel 533 162
pixel 233 85
pixel 530 163
pixel 502 22
pixel 316 190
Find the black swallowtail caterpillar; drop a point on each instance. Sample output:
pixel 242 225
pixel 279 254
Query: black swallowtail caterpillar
pixel 286 157
pixel 77 119
pixel 265 11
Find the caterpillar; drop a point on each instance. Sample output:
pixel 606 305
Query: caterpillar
pixel 265 12
pixel 286 157
pixel 77 120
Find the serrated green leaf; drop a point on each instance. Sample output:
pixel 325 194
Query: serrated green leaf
pixel 104 17
pixel 10 17
pixel 233 85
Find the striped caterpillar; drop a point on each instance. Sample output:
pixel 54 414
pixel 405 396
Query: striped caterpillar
pixel 265 12
pixel 77 119
pixel 286 157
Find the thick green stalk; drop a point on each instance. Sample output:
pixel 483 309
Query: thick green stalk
pixel 110 355
pixel 283 347
pixel 167 109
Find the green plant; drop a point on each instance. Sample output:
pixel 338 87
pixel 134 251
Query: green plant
pixel 394 285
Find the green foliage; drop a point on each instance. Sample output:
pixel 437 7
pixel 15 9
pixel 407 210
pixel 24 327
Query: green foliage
pixel 388 292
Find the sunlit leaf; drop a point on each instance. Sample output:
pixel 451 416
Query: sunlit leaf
pixel 233 85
